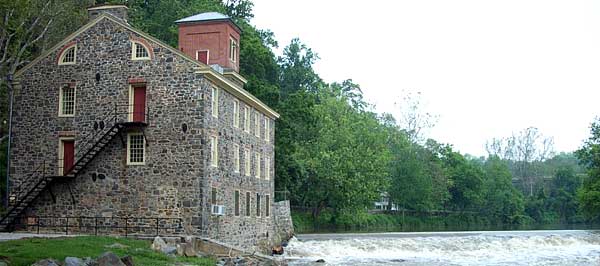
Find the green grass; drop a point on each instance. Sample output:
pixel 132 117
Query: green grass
pixel 27 251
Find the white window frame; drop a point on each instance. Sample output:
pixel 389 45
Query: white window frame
pixel 214 151
pixel 61 102
pixel 267 168
pixel 267 204
pixel 134 52
pixel 207 56
pixel 129 162
pixel 248 205
pixel 236 113
pixel 64 52
pixel 233 49
pixel 257 124
pixel 257 164
pixel 246 119
pixel 267 129
pixel 247 162
pixel 236 207
pixel 215 102
pixel 236 158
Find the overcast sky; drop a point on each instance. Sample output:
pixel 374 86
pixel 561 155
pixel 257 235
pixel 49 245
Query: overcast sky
pixel 487 68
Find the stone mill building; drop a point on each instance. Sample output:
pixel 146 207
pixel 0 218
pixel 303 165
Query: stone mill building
pixel 111 124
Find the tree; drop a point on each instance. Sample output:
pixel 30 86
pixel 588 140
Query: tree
pixel 525 150
pixel 503 203
pixel 589 156
pixel 413 119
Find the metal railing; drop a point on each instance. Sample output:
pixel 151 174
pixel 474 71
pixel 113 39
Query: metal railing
pixel 98 225
pixel 30 182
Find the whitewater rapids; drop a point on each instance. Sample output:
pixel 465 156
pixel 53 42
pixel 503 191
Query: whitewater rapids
pixel 561 247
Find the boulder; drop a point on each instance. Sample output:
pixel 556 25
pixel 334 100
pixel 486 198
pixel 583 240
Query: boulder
pixel 46 262
pixel 189 250
pixel 73 261
pixel 109 259
pixel 320 261
pixel 158 244
pixel 127 260
pixel 180 250
pixel 89 262
pixel 169 250
pixel 277 250
pixel 3 263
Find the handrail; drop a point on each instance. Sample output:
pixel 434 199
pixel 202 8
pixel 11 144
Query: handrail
pixel 29 180
pixel 89 142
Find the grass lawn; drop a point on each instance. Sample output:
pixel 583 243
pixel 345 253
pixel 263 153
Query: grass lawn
pixel 25 252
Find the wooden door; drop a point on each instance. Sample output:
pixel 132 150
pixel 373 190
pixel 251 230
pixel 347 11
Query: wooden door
pixel 68 155
pixel 139 104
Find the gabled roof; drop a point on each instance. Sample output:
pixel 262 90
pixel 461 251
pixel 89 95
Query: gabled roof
pixel 210 73
pixel 208 17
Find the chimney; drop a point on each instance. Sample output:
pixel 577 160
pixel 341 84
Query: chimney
pixel 211 38
pixel 119 11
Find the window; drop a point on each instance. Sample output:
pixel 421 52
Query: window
pixel 236 158
pixel 139 51
pixel 136 149
pixel 69 56
pixel 236 113
pixel 213 196
pixel 214 151
pixel 215 102
pixel 267 129
pixel 257 205
pixel 248 203
pixel 246 120
pixel 66 104
pixel 257 162
pixel 232 49
pixel 267 168
pixel 267 205
pixel 257 124
pixel 247 162
pixel 236 202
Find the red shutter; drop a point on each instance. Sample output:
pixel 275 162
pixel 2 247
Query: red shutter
pixel 139 104
pixel 202 56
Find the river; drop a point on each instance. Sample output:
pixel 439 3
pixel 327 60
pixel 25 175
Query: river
pixel 497 248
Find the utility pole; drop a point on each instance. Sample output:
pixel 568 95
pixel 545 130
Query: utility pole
pixel 9 85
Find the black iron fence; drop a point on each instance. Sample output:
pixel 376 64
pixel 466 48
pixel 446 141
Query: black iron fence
pixel 97 225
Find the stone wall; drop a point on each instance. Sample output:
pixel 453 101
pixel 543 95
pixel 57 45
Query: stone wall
pixel 282 221
pixel 176 179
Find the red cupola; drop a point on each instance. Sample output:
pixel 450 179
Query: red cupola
pixel 212 38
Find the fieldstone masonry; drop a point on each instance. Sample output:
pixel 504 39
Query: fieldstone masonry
pixel 176 179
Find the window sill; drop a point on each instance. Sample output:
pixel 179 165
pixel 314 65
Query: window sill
pixel 136 164
pixel 67 64
pixel 66 116
pixel 140 58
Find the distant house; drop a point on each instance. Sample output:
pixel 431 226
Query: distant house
pixel 111 122
pixel 384 203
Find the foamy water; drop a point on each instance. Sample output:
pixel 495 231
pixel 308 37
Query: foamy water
pixel 456 248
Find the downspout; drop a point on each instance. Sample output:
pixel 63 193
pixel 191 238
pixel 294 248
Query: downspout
pixel 9 79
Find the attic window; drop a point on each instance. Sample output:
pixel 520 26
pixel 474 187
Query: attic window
pixel 232 49
pixel 68 56
pixel 139 51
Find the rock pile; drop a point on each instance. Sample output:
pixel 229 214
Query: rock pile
pixel 106 259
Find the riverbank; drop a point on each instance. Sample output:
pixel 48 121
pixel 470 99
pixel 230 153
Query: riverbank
pixel 24 252
pixel 384 222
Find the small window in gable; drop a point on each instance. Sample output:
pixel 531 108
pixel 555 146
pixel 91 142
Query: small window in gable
pixel 68 56
pixel 139 51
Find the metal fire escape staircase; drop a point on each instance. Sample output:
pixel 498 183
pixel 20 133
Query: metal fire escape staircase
pixel 88 148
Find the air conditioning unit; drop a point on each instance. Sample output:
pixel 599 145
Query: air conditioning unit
pixel 218 210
